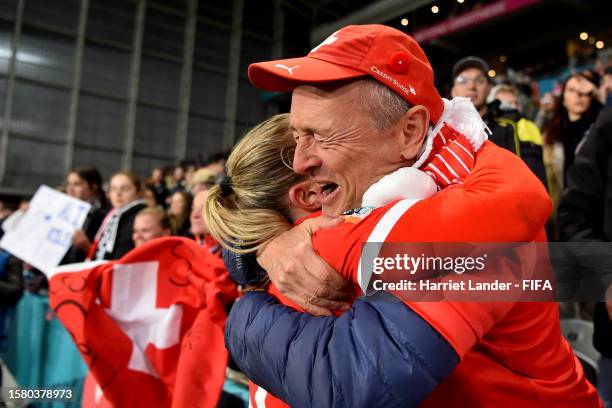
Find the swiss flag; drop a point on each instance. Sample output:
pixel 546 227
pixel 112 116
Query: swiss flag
pixel 150 325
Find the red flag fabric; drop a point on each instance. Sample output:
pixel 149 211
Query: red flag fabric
pixel 150 325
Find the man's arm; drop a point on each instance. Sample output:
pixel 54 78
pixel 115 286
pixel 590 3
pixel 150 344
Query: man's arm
pixel 500 192
pixel 379 353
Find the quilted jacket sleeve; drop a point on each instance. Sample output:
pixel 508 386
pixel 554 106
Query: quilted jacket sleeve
pixel 379 353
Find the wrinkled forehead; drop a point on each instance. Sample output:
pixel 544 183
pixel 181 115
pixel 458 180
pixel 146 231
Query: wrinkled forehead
pixel 312 101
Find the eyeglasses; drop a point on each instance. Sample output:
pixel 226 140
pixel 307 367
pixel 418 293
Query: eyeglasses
pixel 463 80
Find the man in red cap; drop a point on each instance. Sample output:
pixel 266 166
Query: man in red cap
pixel 364 105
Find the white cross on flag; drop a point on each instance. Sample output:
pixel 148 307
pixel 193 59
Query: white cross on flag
pixel 150 325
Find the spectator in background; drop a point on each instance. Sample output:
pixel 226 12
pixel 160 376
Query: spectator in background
pixel 506 95
pixel 503 100
pixel 199 227
pixel 585 215
pixel 547 108
pixel 148 196
pixel 189 172
pixel 574 113
pixel 178 181
pixel 6 209
pixel 114 238
pixel 11 290
pixel 202 180
pixel 216 163
pixel 85 183
pixel 471 80
pixel 150 223
pixel 11 282
pixel 13 219
pixel 179 210
pixel 33 280
pixel 592 75
pixel 158 185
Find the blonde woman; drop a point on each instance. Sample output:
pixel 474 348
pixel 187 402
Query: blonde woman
pixel 114 237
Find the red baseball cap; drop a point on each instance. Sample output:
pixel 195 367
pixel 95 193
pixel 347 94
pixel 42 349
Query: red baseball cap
pixel 388 55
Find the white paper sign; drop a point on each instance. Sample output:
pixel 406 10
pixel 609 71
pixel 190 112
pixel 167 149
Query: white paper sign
pixel 44 233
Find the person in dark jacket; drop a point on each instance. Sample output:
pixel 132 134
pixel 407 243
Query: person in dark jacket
pixel 114 237
pixel 471 80
pixel 85 183
pixel 179 212
pixel 585 215
pixel 158 186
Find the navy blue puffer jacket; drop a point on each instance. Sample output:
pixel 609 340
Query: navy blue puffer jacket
pixel 378 354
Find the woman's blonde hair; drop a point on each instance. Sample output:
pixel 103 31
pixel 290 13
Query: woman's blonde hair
pixel 256 208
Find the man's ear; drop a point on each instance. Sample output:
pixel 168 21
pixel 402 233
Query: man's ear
pixel 305 195
pixel 414 126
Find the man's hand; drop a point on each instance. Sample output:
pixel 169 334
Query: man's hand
pixel 300 274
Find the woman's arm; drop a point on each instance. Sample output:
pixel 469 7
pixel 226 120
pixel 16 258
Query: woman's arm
pixel 500 201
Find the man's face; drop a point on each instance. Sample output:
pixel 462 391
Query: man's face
pixel 472 83
pixel 146 227
pixel 337 145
